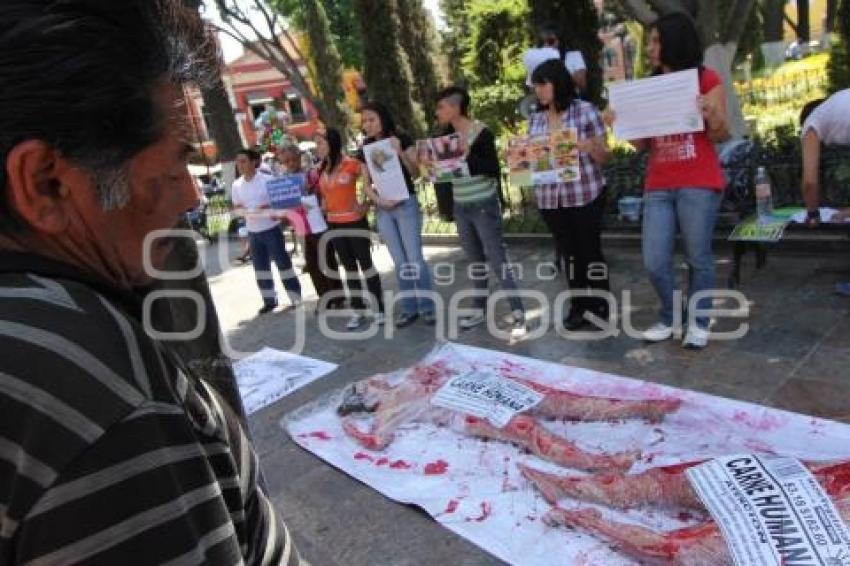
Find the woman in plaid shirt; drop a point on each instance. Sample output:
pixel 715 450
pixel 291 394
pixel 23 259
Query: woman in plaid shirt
pixel 573 210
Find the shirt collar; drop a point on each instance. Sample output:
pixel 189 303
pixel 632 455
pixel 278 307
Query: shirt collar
pixel 26 262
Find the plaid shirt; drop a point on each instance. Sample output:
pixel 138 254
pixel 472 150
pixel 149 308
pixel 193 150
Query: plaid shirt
pixel 586 119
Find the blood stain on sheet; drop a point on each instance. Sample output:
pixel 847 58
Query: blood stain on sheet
pixel 766 423
pixel 684 516
pixel 436 468
pixel 758 446
pixel 400 465
pixel 319 434
pixel 382 461
pixel 486 511
pixel 362 456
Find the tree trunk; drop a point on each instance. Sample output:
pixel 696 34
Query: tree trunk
pixel 418 39
pixel 386 70
pixel 328 65
pixel 719 57
pixel 803 28
pixel 829 21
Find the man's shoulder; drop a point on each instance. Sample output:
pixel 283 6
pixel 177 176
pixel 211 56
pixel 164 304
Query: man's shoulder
pixel 69 340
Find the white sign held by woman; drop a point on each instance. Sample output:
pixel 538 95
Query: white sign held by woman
pixel 658 106
pixel 385 170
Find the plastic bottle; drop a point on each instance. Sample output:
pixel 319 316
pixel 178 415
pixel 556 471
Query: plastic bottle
pixel 764 198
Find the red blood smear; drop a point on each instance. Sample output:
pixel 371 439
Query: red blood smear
pixel 452 506
pixel 320 434
pixel 486 510
pixel 382 461
pixel 400 465
pixel 685 516
pixel 436 468
pixel 362 456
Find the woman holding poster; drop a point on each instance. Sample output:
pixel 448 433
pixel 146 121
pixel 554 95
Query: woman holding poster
pixel 345 213
pixel 572 209
pixel 684 182
pixel 400 221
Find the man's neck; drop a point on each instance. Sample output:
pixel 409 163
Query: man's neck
pixel 250 177
pixel 460 124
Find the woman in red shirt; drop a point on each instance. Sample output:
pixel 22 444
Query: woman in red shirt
pixel 684 184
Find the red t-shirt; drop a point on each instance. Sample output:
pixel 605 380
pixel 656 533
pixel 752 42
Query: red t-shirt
pixel 686 160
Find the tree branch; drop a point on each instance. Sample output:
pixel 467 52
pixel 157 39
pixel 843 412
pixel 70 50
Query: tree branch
pixel 641 11
pixel 736 21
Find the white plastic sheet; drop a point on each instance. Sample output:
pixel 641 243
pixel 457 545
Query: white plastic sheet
pixel 473 487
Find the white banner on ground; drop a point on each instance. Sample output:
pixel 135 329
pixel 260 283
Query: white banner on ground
pixel 486 396
pixel 771 510
pixel 269 375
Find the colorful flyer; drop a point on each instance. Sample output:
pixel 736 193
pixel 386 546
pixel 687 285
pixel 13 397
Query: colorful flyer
pixel 544 160
pixel 286 191
pixel 442 158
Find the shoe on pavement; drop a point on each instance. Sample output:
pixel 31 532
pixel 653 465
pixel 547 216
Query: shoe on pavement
pixel 658 332
pixel 473 320
pixel 355 322
pixel 695 339
pixel 405 319
pixel 380 318
pixel 430 318
pixel 267 309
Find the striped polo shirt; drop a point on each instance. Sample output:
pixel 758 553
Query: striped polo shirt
pixel 111 451
pixel 474 188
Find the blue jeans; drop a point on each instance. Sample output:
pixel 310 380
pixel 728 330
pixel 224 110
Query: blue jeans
pixel 265 247
pixel 479 226
pixel 401 229
pixel 694 211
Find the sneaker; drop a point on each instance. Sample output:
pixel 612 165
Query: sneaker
pixel 659 332
pixel 267 309
pixel 380 318
pixel 473 320
pixel 695 339
pixel 355 322
pixel 405 319
pixel 518 329
pixel 430 318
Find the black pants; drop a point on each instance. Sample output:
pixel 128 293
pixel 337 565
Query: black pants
pixel 313 264
pixel 577 233
pixel 355 252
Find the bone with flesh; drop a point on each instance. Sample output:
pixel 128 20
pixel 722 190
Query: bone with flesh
pixel 698 545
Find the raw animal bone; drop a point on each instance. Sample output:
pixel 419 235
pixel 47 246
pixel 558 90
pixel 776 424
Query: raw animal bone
pixel 409 400
pixel 667 486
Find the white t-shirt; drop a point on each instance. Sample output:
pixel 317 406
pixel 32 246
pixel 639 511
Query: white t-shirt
pixel 253 194
pixel 831 120
pixel 573 60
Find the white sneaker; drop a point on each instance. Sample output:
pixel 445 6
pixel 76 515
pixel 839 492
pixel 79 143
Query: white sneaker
pixel 519 328
pixel 380 318
pixel 355 322
pixel 696 338
pixel 658 332
pixel 473 320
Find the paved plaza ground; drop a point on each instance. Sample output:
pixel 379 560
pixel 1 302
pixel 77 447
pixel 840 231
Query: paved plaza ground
pixel 794 356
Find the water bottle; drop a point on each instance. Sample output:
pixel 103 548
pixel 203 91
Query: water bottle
pixel 764 199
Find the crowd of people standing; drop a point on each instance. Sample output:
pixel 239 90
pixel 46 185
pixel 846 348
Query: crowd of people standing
pixel 683 187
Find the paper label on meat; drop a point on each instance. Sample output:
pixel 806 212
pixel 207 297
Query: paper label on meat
pixel 771 510
pixel 486 396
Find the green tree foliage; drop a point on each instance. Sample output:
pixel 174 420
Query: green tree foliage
pixel 419 41
pixel 578 24
pixel 492 63
pixel 386 69
pixel 454 39
pixel 838 67
pixel 327 64
pixel 343 25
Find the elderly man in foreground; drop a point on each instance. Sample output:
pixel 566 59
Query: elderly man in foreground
pixel 111 451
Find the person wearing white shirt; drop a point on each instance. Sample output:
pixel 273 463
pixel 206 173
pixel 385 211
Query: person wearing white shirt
pixel 251 200
pixel 823 122
pixel 549 48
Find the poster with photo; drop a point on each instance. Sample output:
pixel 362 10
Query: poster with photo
pixel 442 158
pixel 544 159
pixel 385 169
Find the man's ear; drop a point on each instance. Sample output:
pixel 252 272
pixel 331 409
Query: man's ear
pixel 39 184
